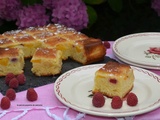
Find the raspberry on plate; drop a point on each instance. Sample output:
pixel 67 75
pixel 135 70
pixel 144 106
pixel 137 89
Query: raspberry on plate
pixel 5 103
pixel 21 79
pixel 11 94
pixel 31 95
pixel 13 83
pixel 132 99
pixel 8 77
pixel 116 102
pixel 98 100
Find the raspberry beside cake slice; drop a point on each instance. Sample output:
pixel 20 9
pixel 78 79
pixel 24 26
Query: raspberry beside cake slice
pixel 114 79
pixel 46 62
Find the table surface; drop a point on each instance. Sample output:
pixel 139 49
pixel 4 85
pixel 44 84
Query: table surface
pixel 48 107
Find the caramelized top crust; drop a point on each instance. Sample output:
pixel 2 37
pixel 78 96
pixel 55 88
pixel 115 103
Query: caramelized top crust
pixel 9 52
pixel 89 42
pixel 54 41
pixel 72 36
pixel 24 39
pixel 45 53
pixel 115 68
pixel 33 30
pixel 6 42
pixel 94 49
pixel 43 35
pixel 13 33
pixel 55 27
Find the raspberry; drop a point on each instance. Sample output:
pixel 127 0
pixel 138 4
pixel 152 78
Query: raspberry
pixel 11 94
pixel 107 44
pixel 8 77
pixel 21 79
pixel 31 94
pixel 132 99
pixel 5 103
pixel 116 102
pixel 98 100
pixel 13 83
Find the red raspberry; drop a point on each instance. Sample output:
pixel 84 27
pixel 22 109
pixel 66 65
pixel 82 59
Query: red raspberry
pixel 132 99
pixel 13 83
pixel 98 100
pixel 116 102
pixel 107 44
pixel 8 77
pixel 5 103
pixel 31 94
pixel 11 94
pixel 21 79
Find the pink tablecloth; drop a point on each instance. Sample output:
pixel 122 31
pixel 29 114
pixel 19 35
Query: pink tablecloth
pixel 48 107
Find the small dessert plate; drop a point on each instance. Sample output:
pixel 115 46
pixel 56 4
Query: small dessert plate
pixel 140 48
pixel 73 89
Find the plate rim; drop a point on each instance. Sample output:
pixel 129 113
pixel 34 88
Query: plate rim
pixel 126 37
pixel 136 64
pixel 96 113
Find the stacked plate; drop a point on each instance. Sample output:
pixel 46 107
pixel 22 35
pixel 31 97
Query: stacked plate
pixel 140 49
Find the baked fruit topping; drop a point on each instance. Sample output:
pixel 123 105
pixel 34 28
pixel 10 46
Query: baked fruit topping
pixel 114 81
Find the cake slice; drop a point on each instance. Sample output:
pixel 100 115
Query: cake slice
pixel 88 51
pixel 46 62
pixel 28 44
pixel 60 44
pixel 114 79
pixel 11 61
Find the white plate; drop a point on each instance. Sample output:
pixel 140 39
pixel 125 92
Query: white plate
pixel 138 65
pixel 73 88
pixel 135 48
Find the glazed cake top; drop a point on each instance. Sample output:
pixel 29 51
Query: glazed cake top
pixel 54 41
pixel 115 68
pixel 23 39
pixel 7 42
pixel 45 53
pixel 8 52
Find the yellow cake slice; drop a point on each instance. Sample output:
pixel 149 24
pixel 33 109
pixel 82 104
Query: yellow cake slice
pixel 60 44
pixel 46 62
pixel 88 51
pixel 28 44
pixel 114 79
pixel 11 61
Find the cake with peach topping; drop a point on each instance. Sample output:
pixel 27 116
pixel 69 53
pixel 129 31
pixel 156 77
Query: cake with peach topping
pixel 11 61
pixel 46 61
pixel 28 44
pixel 114 79
pixel 61 42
